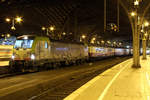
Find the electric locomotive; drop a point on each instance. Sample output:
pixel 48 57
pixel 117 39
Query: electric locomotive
pixel 34 52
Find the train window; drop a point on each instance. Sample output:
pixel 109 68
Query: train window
pixel 46 44
pixel 23 44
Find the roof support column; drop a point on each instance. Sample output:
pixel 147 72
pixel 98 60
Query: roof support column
pixel 136 44
pixel 144 48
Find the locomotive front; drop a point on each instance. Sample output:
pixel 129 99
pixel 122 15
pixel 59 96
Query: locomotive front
pixel 22 52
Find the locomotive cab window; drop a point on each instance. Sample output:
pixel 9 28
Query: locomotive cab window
pixel 46 44
pixel 23 43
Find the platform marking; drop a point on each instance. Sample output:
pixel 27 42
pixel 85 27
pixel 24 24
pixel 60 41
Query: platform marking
pixel 148 98
pixel 148 79
pixel 110 83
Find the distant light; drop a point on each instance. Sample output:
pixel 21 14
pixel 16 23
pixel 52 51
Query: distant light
pixel 52 28
pixel 83 36
pixel 92 42
pixel 43 28
pixel 108 42
pixel 8 35
pixel 146 24
pixel 13 28
pixel 114 42
pixel 93 38
pixel 136 3
pixel 146 34
pixel 127 46
pixel 18 19
pixel 80 40
pixel 2 35
pixel 7 19
pixel 133 14
pixel 102 41
pixel 120 43
pixel 142 30
pixel 64 33
pixel 26 37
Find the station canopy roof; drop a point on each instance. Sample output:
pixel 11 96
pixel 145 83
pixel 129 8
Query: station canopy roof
pixel 75 17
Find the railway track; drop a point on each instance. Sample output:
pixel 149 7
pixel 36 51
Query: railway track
pixel 62 89
pixel 54 84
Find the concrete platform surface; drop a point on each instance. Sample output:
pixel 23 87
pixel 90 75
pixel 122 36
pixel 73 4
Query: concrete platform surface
pixel 121 82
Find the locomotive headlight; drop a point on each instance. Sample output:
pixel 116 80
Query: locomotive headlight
pixel 13 57
pixel 32 56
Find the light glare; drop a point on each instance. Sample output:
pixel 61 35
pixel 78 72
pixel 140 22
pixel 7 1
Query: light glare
pixel 25 37
pixel 13 57
pixel 64 33
pixel 52 28
pixel 7 20
pixel 43 28
pixel 8 35
pixel 146 24
pixel 133 14
pixel 18 19
pixel 136 3
pixel 32 57
pixel 13 28
pixel 83 36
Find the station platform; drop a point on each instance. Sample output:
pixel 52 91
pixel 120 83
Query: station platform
pixel 121 82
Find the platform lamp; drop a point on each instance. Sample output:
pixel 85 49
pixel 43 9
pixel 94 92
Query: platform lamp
pixel 82 38
pixel 102 42
pixel 14 20
pixel 47 29
pixel 114 44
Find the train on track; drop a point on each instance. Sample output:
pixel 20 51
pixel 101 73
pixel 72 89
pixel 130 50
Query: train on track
pixel 38 52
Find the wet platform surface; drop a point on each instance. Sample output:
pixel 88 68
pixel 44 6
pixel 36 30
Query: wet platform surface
pixel 121 82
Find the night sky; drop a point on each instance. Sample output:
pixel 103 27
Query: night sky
pixel 74 17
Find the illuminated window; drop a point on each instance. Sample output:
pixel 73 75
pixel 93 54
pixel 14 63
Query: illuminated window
pixel 46 44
